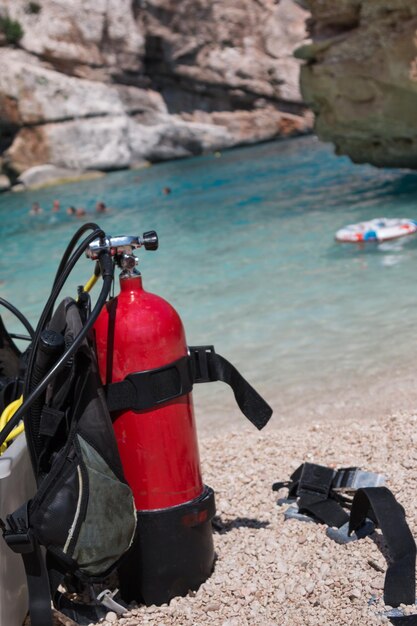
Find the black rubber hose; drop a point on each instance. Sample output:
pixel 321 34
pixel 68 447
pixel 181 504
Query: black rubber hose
pixel 59 283
pixel 67 254
pixel 107 273
pixel 50 347
pixel 70 247
pixel 19 336
pixel 31 381
pixel 84 228
pixel 19 316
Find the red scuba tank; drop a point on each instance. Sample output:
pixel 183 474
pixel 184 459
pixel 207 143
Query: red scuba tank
pixel 173 551
pixel 147 371
pixel 135 332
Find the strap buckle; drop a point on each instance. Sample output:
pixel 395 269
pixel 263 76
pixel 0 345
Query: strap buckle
pixel 353 478
pixel 199 363
pixel 16 532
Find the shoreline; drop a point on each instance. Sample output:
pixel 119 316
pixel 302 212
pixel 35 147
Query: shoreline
pixel 372 398
pixel 46 175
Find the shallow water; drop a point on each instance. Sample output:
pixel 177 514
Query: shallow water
pixel 247 256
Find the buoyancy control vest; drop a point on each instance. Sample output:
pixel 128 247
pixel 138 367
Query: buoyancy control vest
pixel 83 513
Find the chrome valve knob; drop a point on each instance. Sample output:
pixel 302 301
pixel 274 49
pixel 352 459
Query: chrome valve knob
pixel 122 244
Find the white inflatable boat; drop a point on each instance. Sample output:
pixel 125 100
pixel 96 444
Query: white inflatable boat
pixel 380 229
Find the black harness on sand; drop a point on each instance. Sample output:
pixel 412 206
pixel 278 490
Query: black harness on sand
pixel 325 495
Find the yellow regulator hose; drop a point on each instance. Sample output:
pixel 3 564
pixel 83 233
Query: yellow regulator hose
pixel 8 413
pixel 91 282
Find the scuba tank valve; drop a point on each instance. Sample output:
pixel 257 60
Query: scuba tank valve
pixel 122 244
pixel 121 249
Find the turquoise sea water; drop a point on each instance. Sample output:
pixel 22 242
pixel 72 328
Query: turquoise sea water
pixel 247 256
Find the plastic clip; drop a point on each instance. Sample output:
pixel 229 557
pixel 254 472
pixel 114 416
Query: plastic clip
pixel 16 532
pixel 106 598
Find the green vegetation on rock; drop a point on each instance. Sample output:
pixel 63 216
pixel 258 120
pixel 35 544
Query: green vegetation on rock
pixel 11 29
pixel 33 8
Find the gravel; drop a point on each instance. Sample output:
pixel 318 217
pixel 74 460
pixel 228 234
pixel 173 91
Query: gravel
pixel 271 572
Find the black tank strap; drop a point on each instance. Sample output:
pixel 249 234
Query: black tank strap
pixel 252 405
pixel 143 390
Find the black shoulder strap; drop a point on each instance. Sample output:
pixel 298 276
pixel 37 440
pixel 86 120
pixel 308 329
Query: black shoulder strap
pixel 20 538
pixel 143 390
pixel 380 504
pixel 404 620
pixel 38 587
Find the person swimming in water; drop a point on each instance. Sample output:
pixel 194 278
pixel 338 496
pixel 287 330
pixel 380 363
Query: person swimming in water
pixel 56 206
pixel 101 207
pixel 80 212
pixel 36 209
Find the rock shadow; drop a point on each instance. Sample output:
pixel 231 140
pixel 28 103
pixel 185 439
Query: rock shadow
pixel 220 526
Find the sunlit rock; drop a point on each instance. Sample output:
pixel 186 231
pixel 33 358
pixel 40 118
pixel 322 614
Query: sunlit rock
pixel 107 84
pixel 360 78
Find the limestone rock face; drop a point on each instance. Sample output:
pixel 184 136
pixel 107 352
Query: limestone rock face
pixel 41 175
pixel 237 51
pixel 360 78
pixel 43 95
pixel 81 36
pixel 107 84
pixel 4 183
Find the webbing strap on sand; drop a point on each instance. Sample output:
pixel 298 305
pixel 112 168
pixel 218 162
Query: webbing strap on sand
pixel 379 504
pixel 319 493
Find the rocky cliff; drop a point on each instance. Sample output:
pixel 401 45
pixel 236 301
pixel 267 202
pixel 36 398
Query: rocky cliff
pixel 105 84
pixel 360 78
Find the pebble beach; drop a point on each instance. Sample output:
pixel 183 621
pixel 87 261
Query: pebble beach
pixel 275 572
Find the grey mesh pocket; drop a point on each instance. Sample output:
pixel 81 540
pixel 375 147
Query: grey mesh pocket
pixel 109 523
